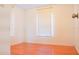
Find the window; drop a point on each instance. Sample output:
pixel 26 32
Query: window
pixel 44 22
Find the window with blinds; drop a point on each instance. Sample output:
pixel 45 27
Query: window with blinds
pixel 44 22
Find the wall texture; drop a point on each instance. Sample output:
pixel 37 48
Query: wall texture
pixel 17 32
pixel 4 30
pixel 76 28
pixel 63 26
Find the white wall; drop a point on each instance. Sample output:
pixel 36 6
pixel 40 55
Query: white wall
pixel 25 27
pixel 11 28
pixel 17 26
pixel 63 26
pixel 4 30
pixel 76 28
pixel 30 25
pixel 31 31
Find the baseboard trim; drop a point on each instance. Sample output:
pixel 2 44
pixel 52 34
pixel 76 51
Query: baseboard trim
pixel 77 49
pixel 50 43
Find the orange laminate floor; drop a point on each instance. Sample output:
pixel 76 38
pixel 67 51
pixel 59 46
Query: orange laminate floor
pixel 41 49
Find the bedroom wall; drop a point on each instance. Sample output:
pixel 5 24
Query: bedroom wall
pixel 30 25
pixel 17 26
pixel 4 30
pixel 31 35
pixel 63 26
pixel 76 28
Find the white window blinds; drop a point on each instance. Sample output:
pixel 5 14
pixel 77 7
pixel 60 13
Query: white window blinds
pixel 44 22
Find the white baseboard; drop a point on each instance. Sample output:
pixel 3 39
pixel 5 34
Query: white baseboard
pixel 53 43
pixel 77 49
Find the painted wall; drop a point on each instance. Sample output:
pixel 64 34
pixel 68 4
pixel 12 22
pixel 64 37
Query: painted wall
pixel 63 26
pixel 4 30
pixel 17 26
pixel 76 28
pixel 30 26
pixel 25 26
pixel 24 29
pixel 31 32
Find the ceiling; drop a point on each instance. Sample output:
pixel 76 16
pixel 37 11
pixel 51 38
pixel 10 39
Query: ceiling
pixel 24 6
pixel 27 6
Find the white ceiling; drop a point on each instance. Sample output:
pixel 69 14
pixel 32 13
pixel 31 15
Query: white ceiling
pixel 27 6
